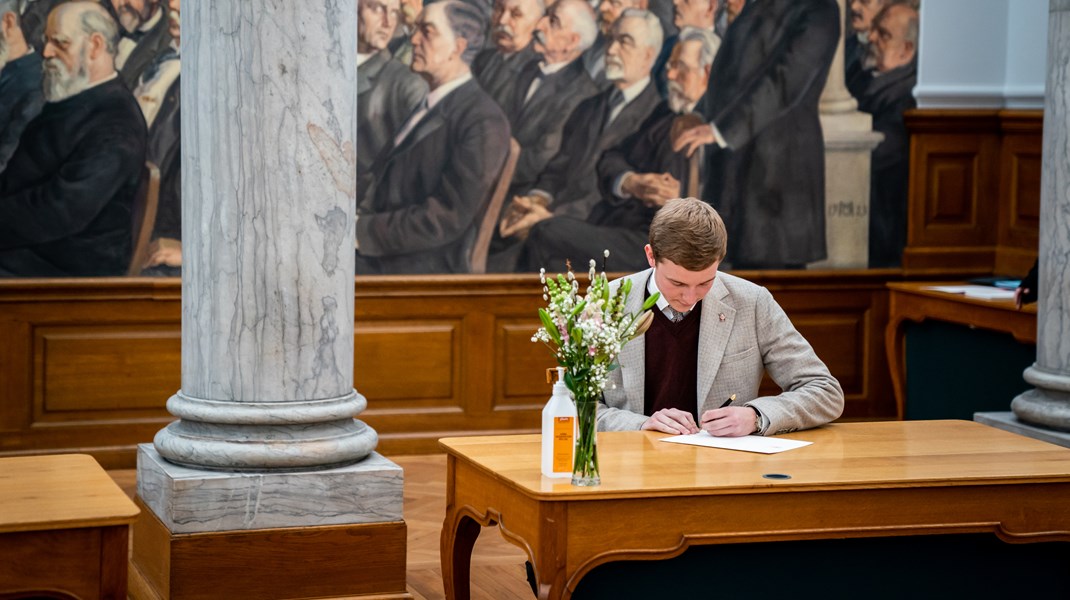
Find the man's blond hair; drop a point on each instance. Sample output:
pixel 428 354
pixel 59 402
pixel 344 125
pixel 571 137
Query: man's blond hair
pixel 690 233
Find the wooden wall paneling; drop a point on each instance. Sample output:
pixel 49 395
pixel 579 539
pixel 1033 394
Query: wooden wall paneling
pixel 1019 218
pixel 435 356
pixel 974 191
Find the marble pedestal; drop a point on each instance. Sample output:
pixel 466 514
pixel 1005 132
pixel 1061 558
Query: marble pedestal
pixel 849 142
pixel 1007 421
pixel 315 534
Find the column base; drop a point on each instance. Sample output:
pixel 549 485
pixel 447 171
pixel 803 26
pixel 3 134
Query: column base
pixel 335 561
pixel 1046 408
pixel 192 500
pixel 1006 421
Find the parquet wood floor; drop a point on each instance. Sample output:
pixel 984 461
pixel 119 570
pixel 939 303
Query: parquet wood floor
pixel 497 565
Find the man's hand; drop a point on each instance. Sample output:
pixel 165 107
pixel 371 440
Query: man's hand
pixel 692 139
pixel 653 189
pixel 671 420
pixel 523 214
pixel 731 421
pixel 1019 296
pixel 165 251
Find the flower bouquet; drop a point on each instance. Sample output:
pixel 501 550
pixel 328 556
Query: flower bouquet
pixel 585 334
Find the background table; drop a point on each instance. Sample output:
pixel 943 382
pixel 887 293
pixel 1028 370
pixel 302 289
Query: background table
pixel 913 302
pixel 64 526
pixel 856 480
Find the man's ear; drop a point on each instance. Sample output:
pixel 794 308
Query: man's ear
pixel 96 45
pixel 911 49
pixel 649 255
pixel 462 45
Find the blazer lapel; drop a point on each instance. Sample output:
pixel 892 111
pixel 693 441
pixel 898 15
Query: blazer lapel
pixel 632 357
pixel 713 337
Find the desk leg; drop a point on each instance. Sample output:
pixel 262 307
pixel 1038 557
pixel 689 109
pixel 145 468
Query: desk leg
pixel 893 347
pixel 459 534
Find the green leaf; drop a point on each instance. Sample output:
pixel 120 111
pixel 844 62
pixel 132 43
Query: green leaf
pixel 548 324
pixel 651 301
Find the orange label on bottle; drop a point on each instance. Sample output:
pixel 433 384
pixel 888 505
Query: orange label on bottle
pixel 563 443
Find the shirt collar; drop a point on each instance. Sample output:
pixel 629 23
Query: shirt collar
pixel 443 90
pixel 554 68
pixel 152 20
pixel 363 58
pixel 632 91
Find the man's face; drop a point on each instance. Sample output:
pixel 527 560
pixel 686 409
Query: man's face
pixel 687 81
pixel 609 11
pixel 133 13
pixel 435 49
pixel 410 9
pixel 174 27
pixel 554 37
pixel 693 13
pixel 628 58
pixel 681 288
pixel 514 21
pixel 732 8
pixel 862 13
pixel 66 70
pixel 376 20
pixel 888 45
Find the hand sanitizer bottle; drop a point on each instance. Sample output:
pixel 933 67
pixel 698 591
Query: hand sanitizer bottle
pixel 558 429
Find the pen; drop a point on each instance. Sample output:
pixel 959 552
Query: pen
pixel 730 400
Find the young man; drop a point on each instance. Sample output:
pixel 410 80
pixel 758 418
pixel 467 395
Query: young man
pixel 699 365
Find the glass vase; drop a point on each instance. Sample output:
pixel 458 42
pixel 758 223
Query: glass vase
pixel 585 465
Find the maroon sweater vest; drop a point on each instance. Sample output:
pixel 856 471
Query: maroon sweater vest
pixel 672 363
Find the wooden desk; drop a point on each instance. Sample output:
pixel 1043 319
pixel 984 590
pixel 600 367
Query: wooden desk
pixel 890 478
pixel 912 302
pixel 64 527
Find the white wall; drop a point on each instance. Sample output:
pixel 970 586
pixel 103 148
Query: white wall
pixel 982 53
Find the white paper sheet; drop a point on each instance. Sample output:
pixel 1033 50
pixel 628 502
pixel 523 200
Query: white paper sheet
pixel 975 291
pixel 750 443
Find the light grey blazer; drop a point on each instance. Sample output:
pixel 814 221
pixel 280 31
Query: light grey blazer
pixel 755 336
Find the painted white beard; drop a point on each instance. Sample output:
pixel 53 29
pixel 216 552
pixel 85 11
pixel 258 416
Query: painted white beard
pixel 60 84
pixel 677 101
pixel 614 72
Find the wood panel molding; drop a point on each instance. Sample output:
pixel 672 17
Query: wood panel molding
pixel 87 366
pixel 975 190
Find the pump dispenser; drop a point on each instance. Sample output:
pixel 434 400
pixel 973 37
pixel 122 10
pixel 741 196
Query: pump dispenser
pixel 558 429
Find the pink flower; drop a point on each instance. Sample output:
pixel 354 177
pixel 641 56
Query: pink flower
pixel 592 351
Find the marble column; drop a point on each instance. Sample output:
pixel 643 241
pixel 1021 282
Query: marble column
pixel 1048 404
pixel 849 140
pixel 266 435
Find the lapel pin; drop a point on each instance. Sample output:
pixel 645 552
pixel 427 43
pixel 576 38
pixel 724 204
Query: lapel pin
pixel 721 316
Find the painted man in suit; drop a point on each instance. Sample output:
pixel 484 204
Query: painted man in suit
pixel 594 59
pixel 637 177
pixel 767 161
pixel 162 110
pixel 857 57
pixel 893 43
pixel 549 90
pixel 387 91
pixel 65 198
pixel 714 335
pixel 697 14
pixel 568 186
pixel 20 81
pixel 144 27
pixel 497 69
pixel 421 211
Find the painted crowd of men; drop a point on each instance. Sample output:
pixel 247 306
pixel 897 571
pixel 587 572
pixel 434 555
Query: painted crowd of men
pixel 616 105
pixel 616 109
pixel 88 94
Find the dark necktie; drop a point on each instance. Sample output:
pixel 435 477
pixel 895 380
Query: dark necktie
pixel 616 98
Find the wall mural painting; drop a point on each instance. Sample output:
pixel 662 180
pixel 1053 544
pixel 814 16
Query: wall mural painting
pixel 556 129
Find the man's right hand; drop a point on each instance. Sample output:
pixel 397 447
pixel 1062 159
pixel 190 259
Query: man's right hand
pixel 654 189
pixel 671 420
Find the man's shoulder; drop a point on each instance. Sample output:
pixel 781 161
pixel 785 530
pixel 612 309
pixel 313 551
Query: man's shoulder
pixel 740 288
pixel 470 103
